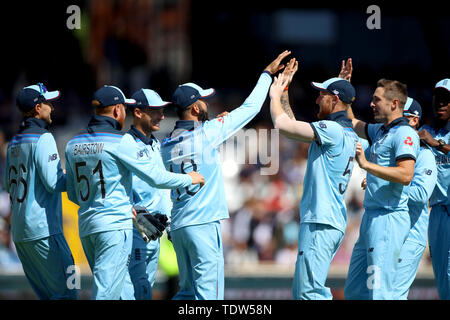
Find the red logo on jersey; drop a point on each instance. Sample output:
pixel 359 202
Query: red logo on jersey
pixel 408 141
pixel 221 119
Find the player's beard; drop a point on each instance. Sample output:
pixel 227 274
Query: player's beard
pixel 203 116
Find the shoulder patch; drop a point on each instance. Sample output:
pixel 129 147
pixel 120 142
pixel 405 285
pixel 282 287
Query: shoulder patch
pixel 408 141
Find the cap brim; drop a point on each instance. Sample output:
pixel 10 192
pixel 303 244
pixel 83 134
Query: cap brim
pixel 410 114
pixel 160 106
pixel 130 101
pixel 51 95
pixel 207 93
pixel 442 87
pixel 318 86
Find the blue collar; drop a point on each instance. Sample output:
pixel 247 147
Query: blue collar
pixel 32 122
pixel 340 117
pixel 402 121
pixel 137 134
pixel 104 121
pixel 185 124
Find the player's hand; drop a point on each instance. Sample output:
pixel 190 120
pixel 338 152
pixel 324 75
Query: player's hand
pixel 275 66
pixel 364 184
pixel 197 178
pixel 134 213
pixel 346 69
pixel 278 85
pixel 223 114
pixel 291 69
pixel 360 156
pixel 428 138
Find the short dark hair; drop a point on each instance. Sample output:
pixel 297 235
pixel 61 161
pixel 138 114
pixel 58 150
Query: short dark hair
pixel 394 89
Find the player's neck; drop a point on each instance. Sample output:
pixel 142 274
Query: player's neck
pixel 392 117
pixel 141 129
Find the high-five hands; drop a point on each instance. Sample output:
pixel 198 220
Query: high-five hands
pixel 346 69
pixel 275 65
pixel 278 85
pixel 291 69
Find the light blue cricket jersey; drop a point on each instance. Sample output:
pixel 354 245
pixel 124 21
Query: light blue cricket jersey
pixel 328 171
pixel 390 143
pixel 193 146
pixel 100 162
pixel 154 199
pixel 421 188
pixel 441 194
pixel 34 180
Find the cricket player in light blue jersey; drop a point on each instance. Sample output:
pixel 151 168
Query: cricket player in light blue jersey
pixel 437 136
pixel 100 163
pixel 147 114
pixel 35 180
pixel 394 147
pixel 323 214
pixel 421 188
pixel 196 213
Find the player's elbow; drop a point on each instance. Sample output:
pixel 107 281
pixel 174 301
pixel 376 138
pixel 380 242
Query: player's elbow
pixel 406 178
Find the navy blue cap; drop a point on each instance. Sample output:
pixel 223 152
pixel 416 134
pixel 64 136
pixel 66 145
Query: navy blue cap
pixel 338 86
pixel 186 94
pixel 29 96
pixel 111 95
pixel 148 98
pixel 412 108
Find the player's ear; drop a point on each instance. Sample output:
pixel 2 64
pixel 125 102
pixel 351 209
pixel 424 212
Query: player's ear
pixel 395 104
pixel 137 112
pixel 195 108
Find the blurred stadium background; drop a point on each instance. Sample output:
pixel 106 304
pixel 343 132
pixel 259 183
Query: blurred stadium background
pixel 160 44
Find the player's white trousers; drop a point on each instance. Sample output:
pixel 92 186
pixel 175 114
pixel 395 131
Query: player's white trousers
pixel 200 260
pixel 317 245
pixel 45 263
pixel 439 244
pixel 374 260
pixel 108 254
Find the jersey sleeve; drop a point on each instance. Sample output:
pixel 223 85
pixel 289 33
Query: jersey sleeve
pixel 70 181
pixel 406 143
pixel 220 129
pixel 48 164
pixel 425 178
pixel 147 171
pixel 328 133
pixel 371 130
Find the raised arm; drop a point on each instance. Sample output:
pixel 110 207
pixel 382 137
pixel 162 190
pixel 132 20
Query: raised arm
pixel 220 129
pixel 288 127
pixel 346 73
pixel 289 71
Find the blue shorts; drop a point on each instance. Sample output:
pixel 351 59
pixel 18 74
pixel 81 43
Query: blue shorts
pixel 45 263
pixel 142 269
pixel 200 261
pixel 374 260
pixel 408 264
pixel 317 245
pixel 439 244
pixel 108 254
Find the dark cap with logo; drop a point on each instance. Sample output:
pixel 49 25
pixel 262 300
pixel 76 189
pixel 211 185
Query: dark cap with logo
pixel 188 93
pixel 29 96
pixel 337 86
pixel 111 95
